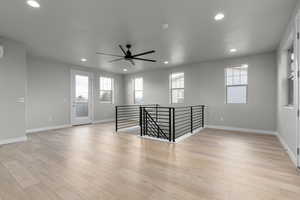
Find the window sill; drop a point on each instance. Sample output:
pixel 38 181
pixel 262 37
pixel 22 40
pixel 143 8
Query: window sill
pixel 106 103
pixel 289 107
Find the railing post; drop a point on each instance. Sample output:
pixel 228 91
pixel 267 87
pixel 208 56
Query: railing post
pixel 202 113
pixel 146 123
pixel 116 118
pixel 192 119
pixel 170 124
pixel 156 119
pixel 141 121
pixel 156 113
pixel 173 121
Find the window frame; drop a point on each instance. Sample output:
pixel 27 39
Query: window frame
pixel 291 76
pixel 112 90
pixel 171 89
pixel 134 91
pixel 236 85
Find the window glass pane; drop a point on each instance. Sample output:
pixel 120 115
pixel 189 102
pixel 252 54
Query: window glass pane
pixel 106 89
pixel 229 80
pixel 177 80
pixel 105 83
pixel 237 75
pixel 139 97
pixel 244 80
pixel 177 95
pixel 82 96
pixel 82 87
pixel 236 94
pixel 138 84
pixel 138 91
pixel 106 95
pixel 236 80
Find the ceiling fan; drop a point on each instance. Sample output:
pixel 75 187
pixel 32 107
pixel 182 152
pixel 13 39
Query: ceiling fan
pixel 128 55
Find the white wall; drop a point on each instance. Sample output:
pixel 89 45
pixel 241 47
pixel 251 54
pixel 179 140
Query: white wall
pixel 204 84
pixel 49 93
pixel 286 116
pixel 12 88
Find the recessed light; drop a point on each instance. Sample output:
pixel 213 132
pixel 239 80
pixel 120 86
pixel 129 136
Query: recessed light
pixel 233 50
pixel 125 70
pixel 165 26
pixel 166 62
pixel 219 16
pixel 83 59
pixel 33 4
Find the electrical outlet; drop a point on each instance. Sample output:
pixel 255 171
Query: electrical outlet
pixel 222 119
pixel 50 118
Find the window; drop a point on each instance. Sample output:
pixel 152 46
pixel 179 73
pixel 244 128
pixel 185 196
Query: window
pixel 177 88
pixel 236 84
pixel 291 76
pixel 138 91
pixel 106 90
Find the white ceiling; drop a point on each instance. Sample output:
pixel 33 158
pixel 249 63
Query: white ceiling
pixel 67 30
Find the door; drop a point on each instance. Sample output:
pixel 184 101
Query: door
pixel 81 98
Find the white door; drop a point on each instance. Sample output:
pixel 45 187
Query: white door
pixel 81 98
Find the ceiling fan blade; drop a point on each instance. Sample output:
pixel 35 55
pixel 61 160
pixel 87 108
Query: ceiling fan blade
pixel 107 54
pixel 132 62
pixel 149 60
pixel 140 54
pixel 115 60
pixel 122 50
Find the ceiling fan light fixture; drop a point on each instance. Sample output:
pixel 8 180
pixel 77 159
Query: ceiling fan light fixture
pixel 219 16
pixel 166 62
pixel 125 70
pixel 233 50
pixel 33 4
pixel 83 59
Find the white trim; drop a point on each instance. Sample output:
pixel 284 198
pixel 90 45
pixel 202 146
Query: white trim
pixel 13 140
pixel 257 131
pixel 103 121
pixel 48 128
pixel 288 150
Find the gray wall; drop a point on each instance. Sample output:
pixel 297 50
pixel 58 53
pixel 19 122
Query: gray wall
pixel 49 93
pixel 12 88
pixel 286 116
pixel 204 84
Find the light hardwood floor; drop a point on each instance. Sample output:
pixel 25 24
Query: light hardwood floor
pixel 94 163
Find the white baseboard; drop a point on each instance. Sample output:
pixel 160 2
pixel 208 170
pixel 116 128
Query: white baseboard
pixel 242 130
pixel 48 128
pixel 13 140
pixel 288 150
pixel 63 126
pixel 103 121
